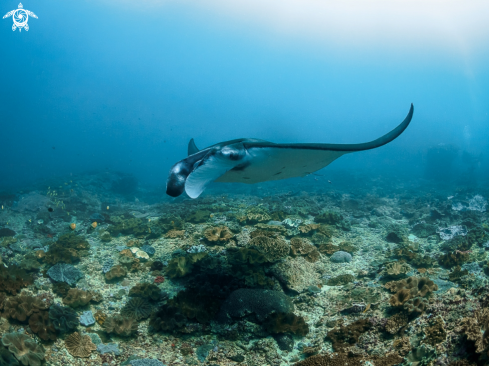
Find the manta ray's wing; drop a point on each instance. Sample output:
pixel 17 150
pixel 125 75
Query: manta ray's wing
pixel 269 161
pixel 9 14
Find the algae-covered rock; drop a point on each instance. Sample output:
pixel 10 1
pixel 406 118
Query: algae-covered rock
pixel 423 230
pixel 258 302
pixel 341 257
pixel 273 249
pixel 340 280
pixel 329 217
pixel 219 234
pixel 63 272
pixel 302 247
pixel 199 216
pixel 131 226
pixel 181 266
pixel 296 273
pixel 278 323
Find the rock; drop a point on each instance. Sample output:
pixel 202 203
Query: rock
pixel 341 257
pixel 107 265
pixel 109 348
pixel 285 342
pixel 424 230
pixel 6 232
pixel 87 319
pixel 148 249
pixel 97 217
pixel 296 273
pixel 141 255
pixel 63 272
pixel 31 202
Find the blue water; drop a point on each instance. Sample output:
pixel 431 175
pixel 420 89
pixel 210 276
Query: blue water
pixel 96 86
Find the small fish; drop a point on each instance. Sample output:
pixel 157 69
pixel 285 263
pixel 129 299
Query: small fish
pixel 330 182
pixel 450 197
pixel 50 209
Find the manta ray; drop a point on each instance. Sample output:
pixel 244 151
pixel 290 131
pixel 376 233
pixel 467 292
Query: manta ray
pixel 250 161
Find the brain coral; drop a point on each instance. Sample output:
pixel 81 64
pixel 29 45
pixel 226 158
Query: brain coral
pixel 79 346
pixel 259 302
pixel 273 249
pixel 25 349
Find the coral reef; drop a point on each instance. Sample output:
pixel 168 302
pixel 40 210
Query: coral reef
pixel 77 298
pixel 410 292
pixel 286 323
pixel 63 272
pixel 341 257
pixel 13 279
pixel 296 274
pixel 396 322
pixel 396 269
pixel 218 234
pixel 116 273
pixel 273 249
pixel 64 319
pixel 261 303
pixel 380 273
pixel 69 248
pixel 301 247
pixel 167 318
pixel 181 266
pixel 146 291
pixel 41 324
pixel 24 348
pixel 22 307
pixel 120 325
pixel 137 308
pixel 340 280
pixel 346 336
pixel 79 346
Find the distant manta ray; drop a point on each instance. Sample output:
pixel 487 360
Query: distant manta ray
pixel 252 161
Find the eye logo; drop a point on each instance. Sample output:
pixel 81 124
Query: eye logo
pixel 20 17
